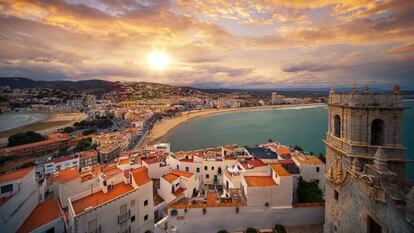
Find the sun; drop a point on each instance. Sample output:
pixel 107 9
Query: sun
pixel 158 60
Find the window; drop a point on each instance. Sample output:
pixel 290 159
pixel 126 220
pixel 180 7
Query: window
pixel 146 217
pixel 317 169
pixel 198 170
pixel 145 202
pixel 205 168
pixel 207 176
pixel 187 169
pixel 133 202
pixel 7 188
pixel 336 195
pixel 92 225
pixel 377 132
pixel 212 168
pixel 337 126
pixel 373 226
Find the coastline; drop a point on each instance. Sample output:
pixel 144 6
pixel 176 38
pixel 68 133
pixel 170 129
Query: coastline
pixel 53 122
pixel 165 126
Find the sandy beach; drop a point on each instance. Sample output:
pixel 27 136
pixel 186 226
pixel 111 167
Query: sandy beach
pixel 166 125
pixel 51 124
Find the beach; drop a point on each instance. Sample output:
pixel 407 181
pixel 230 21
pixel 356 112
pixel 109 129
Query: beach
pixel 53 122
pixel 166 125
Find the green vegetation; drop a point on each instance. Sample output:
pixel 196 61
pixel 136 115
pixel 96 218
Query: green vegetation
pixel 322 157
pixel 89 131
pixel 308 192
pixel 83 144
pixel 101 123
pixel 298 148
pixel 280 229
pixel 24 138
pixel 68 129
pixel 251 230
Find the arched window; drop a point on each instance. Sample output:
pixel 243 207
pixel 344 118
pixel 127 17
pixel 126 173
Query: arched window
pixel 377 132
pixel 337 126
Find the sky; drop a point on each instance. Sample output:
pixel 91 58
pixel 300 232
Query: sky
pixel 212 43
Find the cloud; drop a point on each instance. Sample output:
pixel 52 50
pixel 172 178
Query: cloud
pixel 270 43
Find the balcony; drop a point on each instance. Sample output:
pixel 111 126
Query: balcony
pixel 124 217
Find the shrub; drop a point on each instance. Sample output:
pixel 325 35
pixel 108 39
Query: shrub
pixel 280 229
pixel 89 131
pixel 308 191
pixel 251 230
pixel 24 138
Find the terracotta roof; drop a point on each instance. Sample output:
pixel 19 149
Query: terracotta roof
pixel 182 173
pixel 150 160
pixel 283 151
pixel 66 175
pixel 44 213
pixel 16 175
pixel 63 159
pixel 259 181
pixel 123 161
pixel 179 192
pixel 313 160
pixel 170 177
pixel 280 170
pixel 251 163
pixel 140 176
pixel 88 154
pixel 100 197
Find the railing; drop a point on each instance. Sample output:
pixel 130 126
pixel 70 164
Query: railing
pixel 124 217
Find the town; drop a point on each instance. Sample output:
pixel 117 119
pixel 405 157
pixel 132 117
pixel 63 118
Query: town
pixel 99 176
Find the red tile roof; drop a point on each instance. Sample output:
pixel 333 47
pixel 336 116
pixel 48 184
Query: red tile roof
pixel 100 197
pixel 44 213
pixel 182 173
pixel 140 176
pixel 66 175
pixel 251 163
pixel 280 170
pixel 259 181
pixel 16 175
pixel 63 159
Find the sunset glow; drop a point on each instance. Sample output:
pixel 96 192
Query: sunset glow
pixel 158 60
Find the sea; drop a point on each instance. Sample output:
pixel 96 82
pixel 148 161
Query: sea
pixel 304 126
pixel 11 120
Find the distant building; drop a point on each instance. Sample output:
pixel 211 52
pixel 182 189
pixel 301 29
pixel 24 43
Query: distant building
pixel 277 99
pixel 365 188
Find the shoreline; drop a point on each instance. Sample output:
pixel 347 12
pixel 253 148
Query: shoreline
pixel 163 128
pixel 53 122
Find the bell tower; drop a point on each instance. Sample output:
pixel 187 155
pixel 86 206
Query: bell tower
pixel 365 160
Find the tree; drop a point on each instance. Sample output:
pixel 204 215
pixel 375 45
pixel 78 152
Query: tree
pixel 280 229
pixel 83 144
pixel 298 148
pixel 89 131
pixel 24 138
pixel 322 157
pixel 308 191
pixel 68 129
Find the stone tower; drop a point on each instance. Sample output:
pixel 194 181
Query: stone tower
pixel 365 189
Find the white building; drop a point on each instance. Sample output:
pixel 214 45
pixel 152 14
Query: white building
pixel 123 204
pixel 277 99
pixel 177 184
